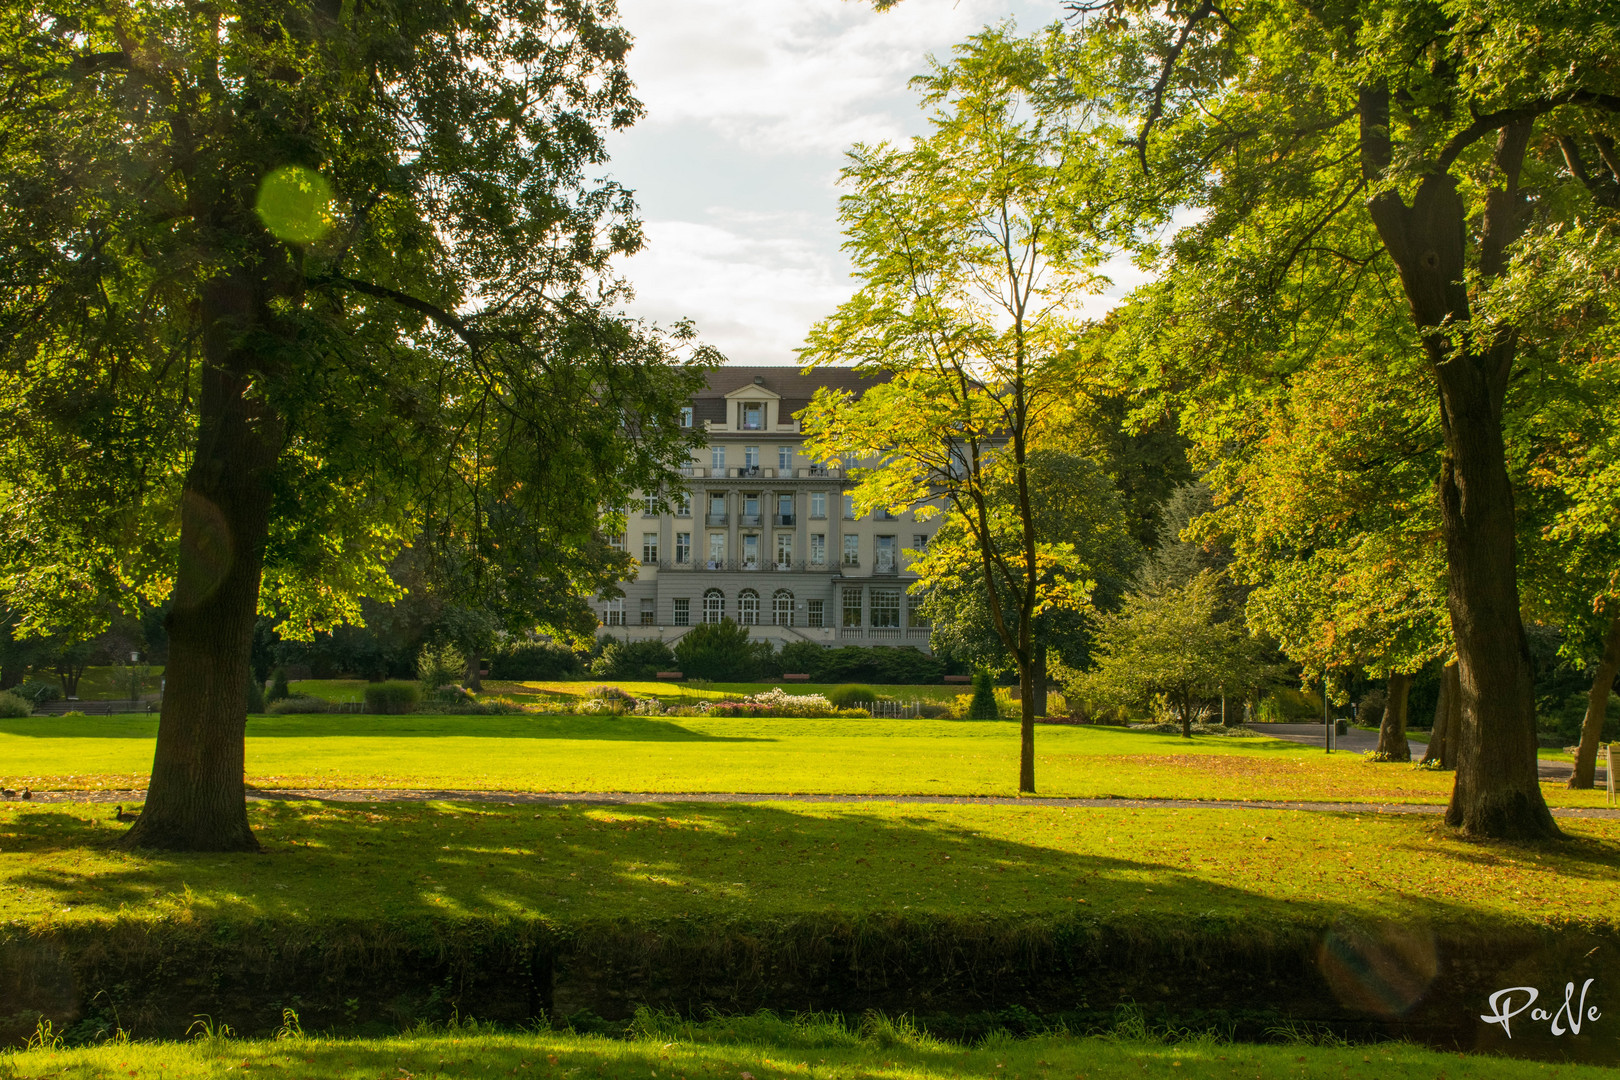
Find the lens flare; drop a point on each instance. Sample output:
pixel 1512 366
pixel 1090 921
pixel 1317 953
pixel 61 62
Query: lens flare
pixel 295 204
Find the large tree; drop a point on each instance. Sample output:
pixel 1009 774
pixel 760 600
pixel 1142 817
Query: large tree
pixel 288 284
pixel 972 246
pixel 1319 141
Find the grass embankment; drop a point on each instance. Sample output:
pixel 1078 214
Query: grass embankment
pixel 391 862
pixel 658 754
pixel 761 1048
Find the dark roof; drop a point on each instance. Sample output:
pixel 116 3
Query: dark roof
pixel 795 389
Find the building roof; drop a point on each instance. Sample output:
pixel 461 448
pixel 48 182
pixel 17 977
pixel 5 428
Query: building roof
pixel 795 389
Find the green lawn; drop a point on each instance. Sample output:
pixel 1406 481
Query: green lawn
pixel 652 754
pixel 392 861
pixel 764 1049
pixel 559 690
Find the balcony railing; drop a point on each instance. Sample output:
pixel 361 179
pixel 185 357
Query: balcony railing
pixel 785 519
pixel 749 521
pixel 715 519
pixel 886 566
pixel 743 472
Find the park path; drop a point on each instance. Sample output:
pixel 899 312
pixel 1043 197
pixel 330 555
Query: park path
pixel 637 798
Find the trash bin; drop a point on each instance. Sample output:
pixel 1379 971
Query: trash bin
pixel 1341 727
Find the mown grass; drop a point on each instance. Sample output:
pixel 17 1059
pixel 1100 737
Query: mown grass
pixel 385 862
pixel 759 1048
pixel 664 754
pixel 671 693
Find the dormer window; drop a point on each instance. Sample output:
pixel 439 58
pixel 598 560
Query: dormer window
pixel 686 416
pixel 752 416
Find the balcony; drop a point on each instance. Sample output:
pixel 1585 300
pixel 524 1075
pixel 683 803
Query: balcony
pixel 749 521
pixel 694 470
pixel 785 520
pixel 820 472
pixel 677 564
pixel 752 472
pixel 886 567
pixel 716 520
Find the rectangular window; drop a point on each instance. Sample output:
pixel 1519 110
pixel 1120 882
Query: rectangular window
pixel 751 457
pixel 784 550
pixel 818 504
pixel 682 610
pixel 717 551
pixel 886 608
pixel 882 514
pixel 849 507
pixel 616 541
pixel 717 505
pixel 649 506
pixel 784 458
pixel 818 549
pixel 914 612
pixel 686 416
pixel 751 505
pixel 649 612
pixel 683 547
pixel 852 550
pixel 753 416
pixel 814 613
pixel 717 458
pixel 852 607
pixel 613 613
pixel 919 542
pixel 649 549
pixel 683 504
pixel 750 552
pixel 784 509
pixel 883 555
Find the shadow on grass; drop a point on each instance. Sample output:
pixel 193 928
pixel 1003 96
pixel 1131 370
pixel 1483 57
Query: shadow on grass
pixel 357 725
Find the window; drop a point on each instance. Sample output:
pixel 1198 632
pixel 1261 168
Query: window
pixel 649 506
pixel 649 612
pixel 782 608
pixel 784 550
pixel 882 514
pixel 818 549
pixel 616 541
pixel 784 510
pixel 885 607
pixel 919 542
pixel 914 612
pixel 750 552
pixel 852 550
pixel 748 607
pixel 818 504
pixel 784 458
pixel 686 416
pixel 613 612
pixel 717 509
pixel 714 606
pixel 751 457
pixel 717 551
pixel 852 607
pixel 717 458
pixel 751 509
pixel 683 547
pixel 753 416
pixel 849 507
pixel 683 504
pixel 682 610
pixel 884 551
pixel 814 613
pixel 649 549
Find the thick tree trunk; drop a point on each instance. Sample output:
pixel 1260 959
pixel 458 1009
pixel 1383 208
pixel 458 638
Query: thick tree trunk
pixel 1497 791
pixel 1597 707
pixel 1026 728
pixel 197 799
pixel 473 681
pixel 1444 710
pixel 1392 744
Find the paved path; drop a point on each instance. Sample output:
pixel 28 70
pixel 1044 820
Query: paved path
pixel 633 798
pixel 1360 742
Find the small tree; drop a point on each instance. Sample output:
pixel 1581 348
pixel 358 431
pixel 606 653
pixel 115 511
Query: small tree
pixel 439 666
pixel 983 706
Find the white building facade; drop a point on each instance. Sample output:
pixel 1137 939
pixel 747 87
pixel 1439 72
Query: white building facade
pixel 765 536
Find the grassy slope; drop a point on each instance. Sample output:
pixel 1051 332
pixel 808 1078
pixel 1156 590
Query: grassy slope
pixel 394 861
pixel 561 753
pixel 464 1053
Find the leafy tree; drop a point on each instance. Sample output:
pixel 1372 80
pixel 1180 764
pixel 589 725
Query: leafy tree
pixel 722 652
pixel 309 281
pixel 972 246
pixel 1074 504
pixel 1332 147
pixel 438 666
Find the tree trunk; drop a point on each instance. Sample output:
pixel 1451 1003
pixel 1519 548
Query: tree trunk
pixel 197 798
pixel 1040 679
pixel 1597 707
pixel 1026 728
pixel 1392 744
pixel 1440 730
pixel 1498 790
pixel 473 681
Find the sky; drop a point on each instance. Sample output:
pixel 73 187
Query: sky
pixel 751 105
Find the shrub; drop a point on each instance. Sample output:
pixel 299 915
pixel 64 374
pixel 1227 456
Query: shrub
pixel 37 691
pixel 723 652
pixel 855 714
pixel 13 707
pixel 391 698
pixel 439 666
pixel 292 706
pixel 639 660
pixel 535 660
pixel 847 697
pixel 851 663
pixel 278 685
pixel 255 695
pixel 983 706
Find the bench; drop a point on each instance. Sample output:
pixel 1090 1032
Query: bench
pixel 958 678
pixel 671 675
pixel 796 677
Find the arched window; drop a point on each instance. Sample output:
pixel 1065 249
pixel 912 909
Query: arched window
pixel 714 606
pixel 782 608
pixel 748 607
